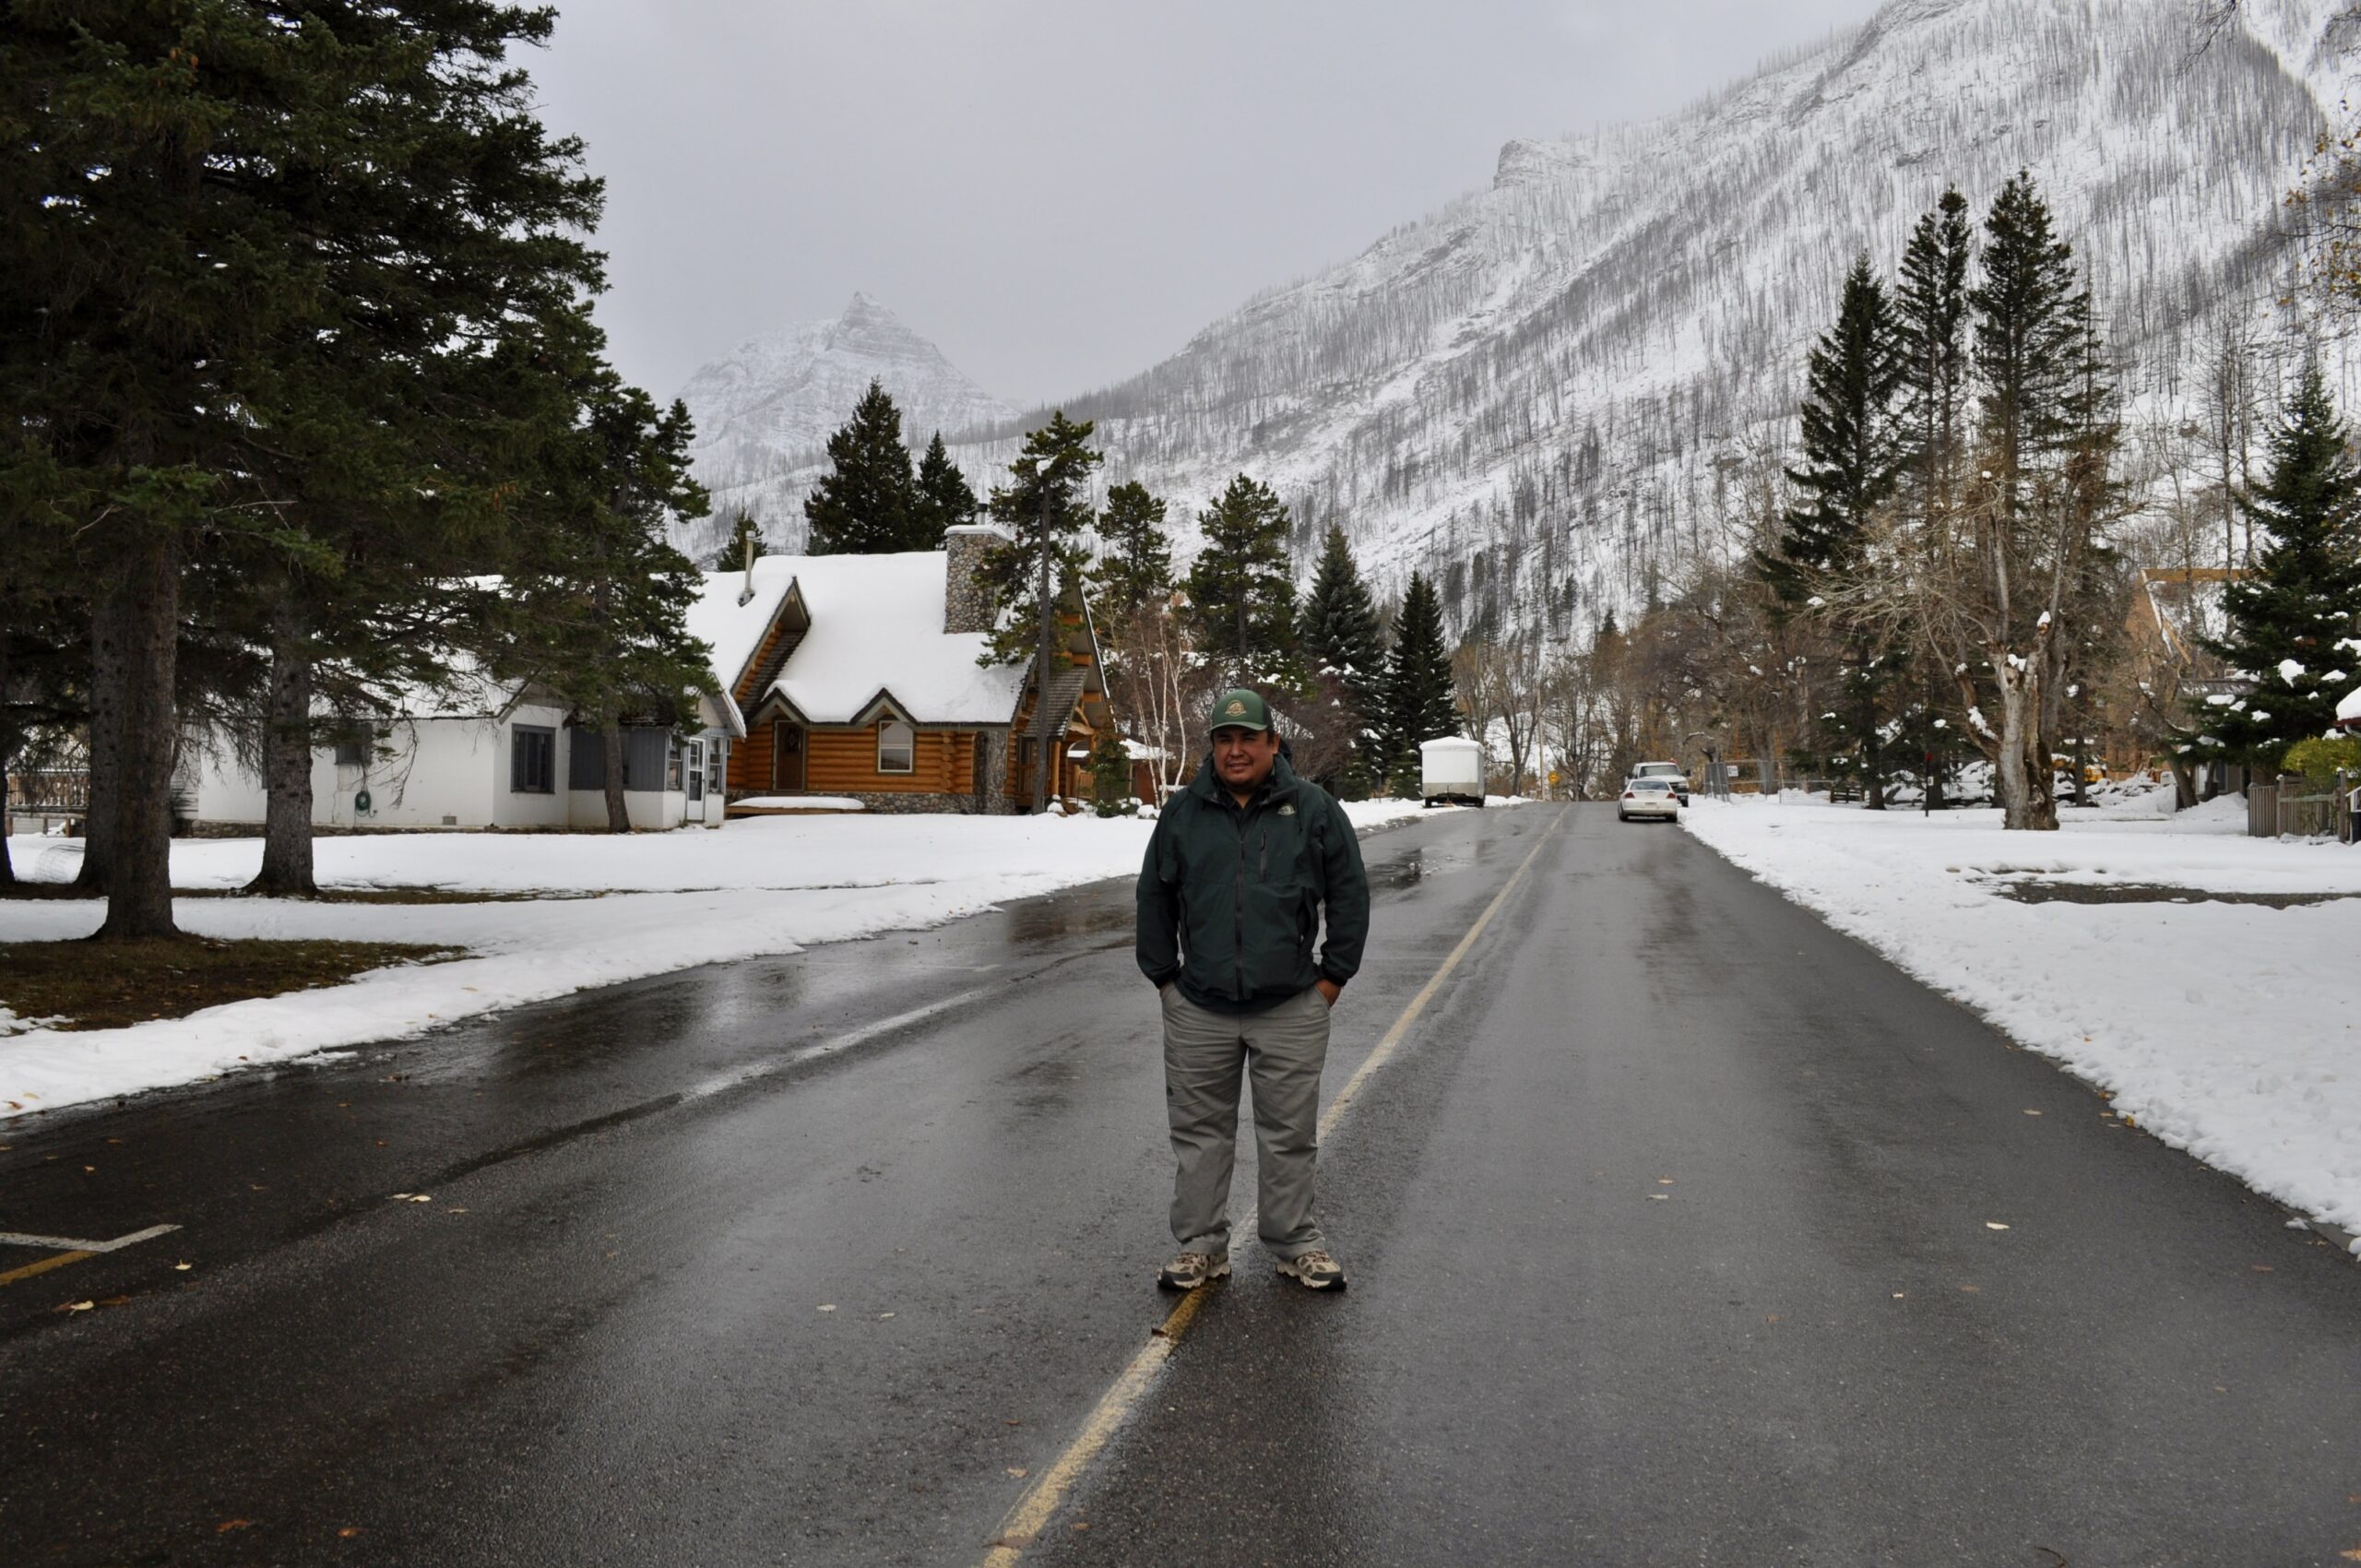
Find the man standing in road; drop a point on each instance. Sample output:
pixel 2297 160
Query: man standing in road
pixel 1229 905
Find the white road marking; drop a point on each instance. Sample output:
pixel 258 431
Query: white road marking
pixel 68 1244
pixel 720 1082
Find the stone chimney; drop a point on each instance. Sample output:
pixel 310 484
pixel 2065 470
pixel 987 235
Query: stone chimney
pixel 967 602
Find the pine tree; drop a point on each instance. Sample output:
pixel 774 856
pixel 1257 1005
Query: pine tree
pixel 1045 507
pixel 1340 628
pixel 2027 337
pixel 268 284
pixel 1852 442
pixel 1931 305
pixel 596 612
pixel 2044 444
pixel 1135 564
pixel 1855 446
pixel 1241 593
pixel 942 500
pixel 2294 619
pixel 745 544
pixel 1930 309
pixel 862 506
pixel 1417 687
pixel 1344 645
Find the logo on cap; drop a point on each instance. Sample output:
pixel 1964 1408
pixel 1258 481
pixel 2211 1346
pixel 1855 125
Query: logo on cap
pixel 1236 708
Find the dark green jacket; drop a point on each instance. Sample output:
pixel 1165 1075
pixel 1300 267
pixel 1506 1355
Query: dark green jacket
pixel 1229 899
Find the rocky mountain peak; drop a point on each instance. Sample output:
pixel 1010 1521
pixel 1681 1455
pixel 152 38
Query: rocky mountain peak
pixel 764 410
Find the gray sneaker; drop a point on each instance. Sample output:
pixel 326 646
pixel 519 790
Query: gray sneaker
pixel 1191 1269
pixel 1313 1270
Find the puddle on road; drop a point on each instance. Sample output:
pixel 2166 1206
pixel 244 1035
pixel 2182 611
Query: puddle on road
pixel 1419 864
pixel 1050 917
pixel 2153 893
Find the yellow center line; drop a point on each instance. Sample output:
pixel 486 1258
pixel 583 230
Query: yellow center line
pixel 1041 1500
pixel 43 1267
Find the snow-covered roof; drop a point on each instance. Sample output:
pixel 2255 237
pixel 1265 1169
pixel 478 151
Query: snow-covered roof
pixel 467 691
pixel 876 635
pixel 1448 744
pixel 2348 710
pixel 734 630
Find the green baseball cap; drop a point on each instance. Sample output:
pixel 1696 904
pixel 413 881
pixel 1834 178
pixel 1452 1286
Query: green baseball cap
pixel 1239 709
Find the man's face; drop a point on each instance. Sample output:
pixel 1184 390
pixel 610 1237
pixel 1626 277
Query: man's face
pixel 1242 757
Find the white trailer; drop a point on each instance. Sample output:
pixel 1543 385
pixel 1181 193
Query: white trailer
pixel 1451 771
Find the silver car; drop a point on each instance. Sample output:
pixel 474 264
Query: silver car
pixel 1648 797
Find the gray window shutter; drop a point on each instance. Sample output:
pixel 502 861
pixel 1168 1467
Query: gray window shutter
pixel 645 748
pixel 586 761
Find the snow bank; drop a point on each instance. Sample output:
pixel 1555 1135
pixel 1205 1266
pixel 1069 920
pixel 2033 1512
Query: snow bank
pixel 608 908
pixel 2229 1029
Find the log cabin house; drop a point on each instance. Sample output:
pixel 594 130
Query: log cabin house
pixel 858 679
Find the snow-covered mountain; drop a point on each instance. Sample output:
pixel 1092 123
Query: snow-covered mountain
pixel 765 411
pixel 1547 391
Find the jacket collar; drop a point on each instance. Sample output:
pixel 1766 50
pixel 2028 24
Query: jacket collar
pixel 1207 786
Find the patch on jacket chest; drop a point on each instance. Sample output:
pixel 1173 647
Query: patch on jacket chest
pixel 1286 810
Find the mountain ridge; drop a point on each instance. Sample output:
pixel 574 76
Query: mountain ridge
pixel 1548 392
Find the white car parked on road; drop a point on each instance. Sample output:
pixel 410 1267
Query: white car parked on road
pixel 1648 797
pixel 1668 771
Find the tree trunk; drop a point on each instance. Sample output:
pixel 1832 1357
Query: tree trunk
pixel 611 741
pixel 2184 782
pixel 287 762
pixel 8 742
pixel 1872 748
pixel 2046 664
pixel 139 883
pixel 104 737
pixel 2008 780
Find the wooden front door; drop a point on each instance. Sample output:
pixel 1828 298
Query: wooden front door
pixel 787 758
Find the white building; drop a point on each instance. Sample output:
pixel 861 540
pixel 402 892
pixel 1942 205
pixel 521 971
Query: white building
pixel 484 754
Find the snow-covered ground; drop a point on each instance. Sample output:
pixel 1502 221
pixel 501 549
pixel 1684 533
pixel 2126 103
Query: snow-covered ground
pixel 603 909
pixel 2231 1029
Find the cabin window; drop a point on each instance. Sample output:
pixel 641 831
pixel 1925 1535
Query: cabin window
pixel 352 749
pixel 532 760
pixel 897 747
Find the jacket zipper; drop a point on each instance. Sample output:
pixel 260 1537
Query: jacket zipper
pixel 1238 909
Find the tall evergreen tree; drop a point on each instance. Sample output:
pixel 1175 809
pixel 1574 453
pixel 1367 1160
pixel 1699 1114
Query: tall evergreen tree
pixel 1853 441
pixel 862 506
pixel 2294 619
pixel 2028 338
pixel 1417 687
pixel 208 210
pixel 1930 304
pixel 941 500
pixel 1344 645
pixel 2026 572
pixel 1045 507
pixel 594 612
pixel 1930 309
pixel 1855 445
pixel 1340 627
pixel 1241 592
pixel 1135 564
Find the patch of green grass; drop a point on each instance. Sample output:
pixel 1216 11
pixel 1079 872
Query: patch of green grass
pixel 105 985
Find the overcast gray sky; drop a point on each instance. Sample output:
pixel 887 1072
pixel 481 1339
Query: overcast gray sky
pixel 1060 194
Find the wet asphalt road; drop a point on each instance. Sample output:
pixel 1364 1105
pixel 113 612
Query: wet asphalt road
pixel 1669 1231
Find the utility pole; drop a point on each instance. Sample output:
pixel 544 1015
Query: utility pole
pixel 1041 660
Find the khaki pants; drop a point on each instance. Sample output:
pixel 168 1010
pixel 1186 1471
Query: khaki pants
pixel 1205 1055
